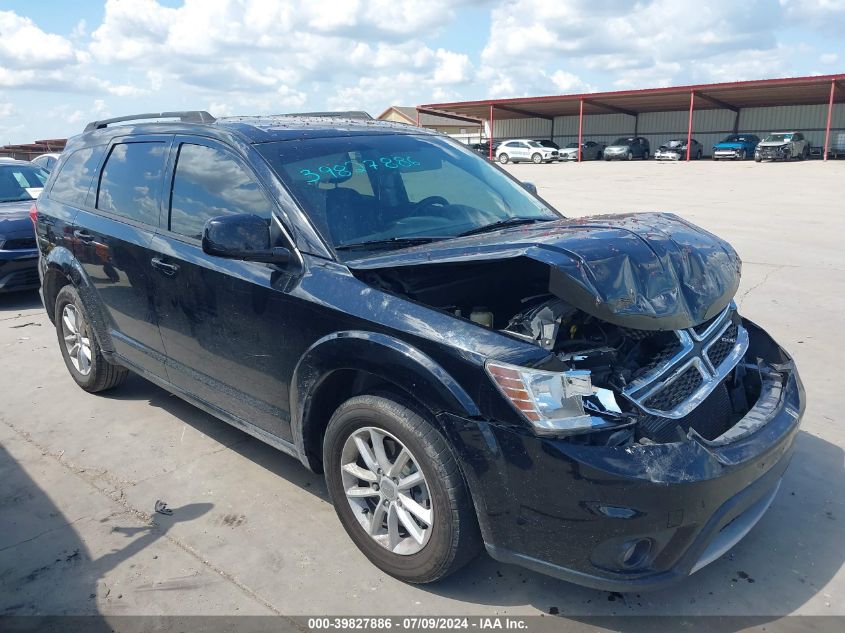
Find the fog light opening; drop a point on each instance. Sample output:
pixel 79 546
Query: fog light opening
pixel 635 553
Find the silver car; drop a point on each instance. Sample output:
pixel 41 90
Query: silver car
pixel 676 149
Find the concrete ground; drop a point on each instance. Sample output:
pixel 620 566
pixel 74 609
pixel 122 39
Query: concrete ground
pixel 252 531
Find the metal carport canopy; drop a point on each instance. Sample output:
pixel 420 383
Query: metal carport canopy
pixel 732 96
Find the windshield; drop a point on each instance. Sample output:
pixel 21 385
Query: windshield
pixel 534 144
pixel 395 188
pixel 21 182
pixel 778 138
pixel 623 141
pixel 573 145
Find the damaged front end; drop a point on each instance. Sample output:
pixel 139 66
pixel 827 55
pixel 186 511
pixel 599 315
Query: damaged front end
pixel 634 311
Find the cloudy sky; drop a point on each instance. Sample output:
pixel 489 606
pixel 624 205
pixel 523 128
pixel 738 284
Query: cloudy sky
pixel 64 63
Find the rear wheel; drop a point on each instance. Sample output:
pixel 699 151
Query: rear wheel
pixel 536 159
pixel 645 155
pixel 80 349
pixel 698 155
pixel 503 158
pixel 805 153
pixel 630 156
pixel 398 491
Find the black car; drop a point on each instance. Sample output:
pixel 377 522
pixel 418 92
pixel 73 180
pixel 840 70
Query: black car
pixel 467 367
pixel 20 184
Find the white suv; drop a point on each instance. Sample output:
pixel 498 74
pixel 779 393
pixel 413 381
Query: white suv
pixel 525 149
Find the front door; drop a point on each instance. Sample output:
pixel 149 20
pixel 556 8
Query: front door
pixel 111 241
pixel 226 324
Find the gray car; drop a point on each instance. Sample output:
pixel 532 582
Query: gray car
pixel 590 150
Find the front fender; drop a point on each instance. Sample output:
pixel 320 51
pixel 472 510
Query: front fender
pixel 381 355
pixel 57 267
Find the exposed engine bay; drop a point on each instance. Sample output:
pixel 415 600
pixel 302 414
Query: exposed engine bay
pixel 656 385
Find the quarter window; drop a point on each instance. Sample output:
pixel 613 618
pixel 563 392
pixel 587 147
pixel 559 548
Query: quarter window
pixel 74 179
pixel 129 185
pixel 209 182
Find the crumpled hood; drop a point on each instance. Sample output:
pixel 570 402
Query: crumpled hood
pixel 651 271
pixel 773 143
pixel 14 219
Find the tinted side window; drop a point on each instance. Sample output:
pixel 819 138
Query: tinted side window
pixel 74 178
pixel 209 182
pixel 130 182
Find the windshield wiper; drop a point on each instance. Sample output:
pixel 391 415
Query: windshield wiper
pixel 390 241
pixel 499 224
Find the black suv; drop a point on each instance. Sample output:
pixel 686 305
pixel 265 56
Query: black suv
pixel 467 366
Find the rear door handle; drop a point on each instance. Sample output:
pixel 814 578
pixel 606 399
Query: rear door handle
pixel 164 267
pixel 83 235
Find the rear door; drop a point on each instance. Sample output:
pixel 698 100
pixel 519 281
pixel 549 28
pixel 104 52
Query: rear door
pixel 226 323
pixel 111 240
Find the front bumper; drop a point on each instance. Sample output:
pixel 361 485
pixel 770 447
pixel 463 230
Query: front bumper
pixel 727 153
pixel 668 156
pixel 572 510
pixel 771 153
pixel 18 270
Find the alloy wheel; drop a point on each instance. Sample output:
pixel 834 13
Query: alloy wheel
pixel 387 490
pixel 77 339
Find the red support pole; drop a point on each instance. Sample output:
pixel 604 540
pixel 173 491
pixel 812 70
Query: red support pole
pixel 491 131
pixel 829 113
pixel 689 126
pixel 580 127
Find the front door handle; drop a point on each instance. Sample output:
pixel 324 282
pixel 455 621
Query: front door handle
pixel 82 235
pixel 165 268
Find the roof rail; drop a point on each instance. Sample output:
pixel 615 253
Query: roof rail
pixel 346 114
pixel 188 116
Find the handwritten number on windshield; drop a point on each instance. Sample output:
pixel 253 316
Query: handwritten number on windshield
pixel 344 170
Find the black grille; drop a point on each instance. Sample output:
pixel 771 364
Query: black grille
pixel 19 244
pixel 659 359
pixel 676 392
pixel 20 279
pixel 709 419
pixel 723 345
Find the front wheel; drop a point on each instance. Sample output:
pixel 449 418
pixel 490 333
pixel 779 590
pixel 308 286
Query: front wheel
pixel 698 155
pixel 536 159
pixel 630 155
pixel 80 349
pixel 645 155
pixel 741 155
pixel 398 491
pixel 503 158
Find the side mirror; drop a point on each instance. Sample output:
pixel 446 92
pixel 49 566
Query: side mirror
pixel 531 187
pixel 242 236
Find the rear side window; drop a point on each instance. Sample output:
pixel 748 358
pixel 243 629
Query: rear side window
pixel 131 178
pixel 209 182
pixel 74 178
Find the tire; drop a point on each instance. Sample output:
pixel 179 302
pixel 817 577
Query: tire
pixel 503 159
pixel 607 158
pixel 600 155
pixel 805 153
pixel 645 155
pixel 698 155
pixel 452 538
pixel 757 159
pixel 630 156
pixel 742 155
pixel 536 158
pixel 90 370
pixel 787 156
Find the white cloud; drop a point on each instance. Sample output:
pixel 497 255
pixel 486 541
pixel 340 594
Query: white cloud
pixel 7 109
pixel 24 45
pixel 829 58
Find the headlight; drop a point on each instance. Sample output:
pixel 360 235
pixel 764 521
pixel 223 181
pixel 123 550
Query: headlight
pixel 551 401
